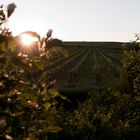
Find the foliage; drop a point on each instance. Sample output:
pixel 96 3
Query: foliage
pixel 29 109
pixel 25 91
pixel 132 67
pixel 107 113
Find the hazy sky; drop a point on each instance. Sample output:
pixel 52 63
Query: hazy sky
pixel 85 20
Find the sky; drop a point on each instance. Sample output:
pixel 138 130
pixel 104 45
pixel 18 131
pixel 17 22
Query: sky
pixel 77 20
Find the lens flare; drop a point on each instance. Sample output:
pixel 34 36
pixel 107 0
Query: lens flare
pixel 28 39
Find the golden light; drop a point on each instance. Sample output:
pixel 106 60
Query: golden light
pixel 28 39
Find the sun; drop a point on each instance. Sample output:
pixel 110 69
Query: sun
pixel 28 39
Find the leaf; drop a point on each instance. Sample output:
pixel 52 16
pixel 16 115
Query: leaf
pixel 39 64
pixel 54 129
pixel 63 97
pixel 2 47
pixel 47 106
pixel 54 92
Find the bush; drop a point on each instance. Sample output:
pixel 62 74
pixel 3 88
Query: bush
pixel 26 94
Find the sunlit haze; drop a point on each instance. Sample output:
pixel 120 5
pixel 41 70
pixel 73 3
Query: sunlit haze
pixel 77 20
pixel 27 39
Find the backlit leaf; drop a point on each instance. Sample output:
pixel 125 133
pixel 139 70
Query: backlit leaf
pixel 54 92
pixel 54 129
pixel 47 106
pixel 40 65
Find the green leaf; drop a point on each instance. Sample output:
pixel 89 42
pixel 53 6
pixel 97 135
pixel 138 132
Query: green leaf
pixel 54 129
pixel 47 106
pixel 40 64
pixel 54 92
pixel 3 47
pixel 63 97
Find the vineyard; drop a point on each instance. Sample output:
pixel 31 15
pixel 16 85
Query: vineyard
pixel 88 65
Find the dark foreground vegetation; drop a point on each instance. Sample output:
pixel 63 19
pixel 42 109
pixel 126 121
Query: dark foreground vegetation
pixel 111 108
pixel 99 85
pixel 31 108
